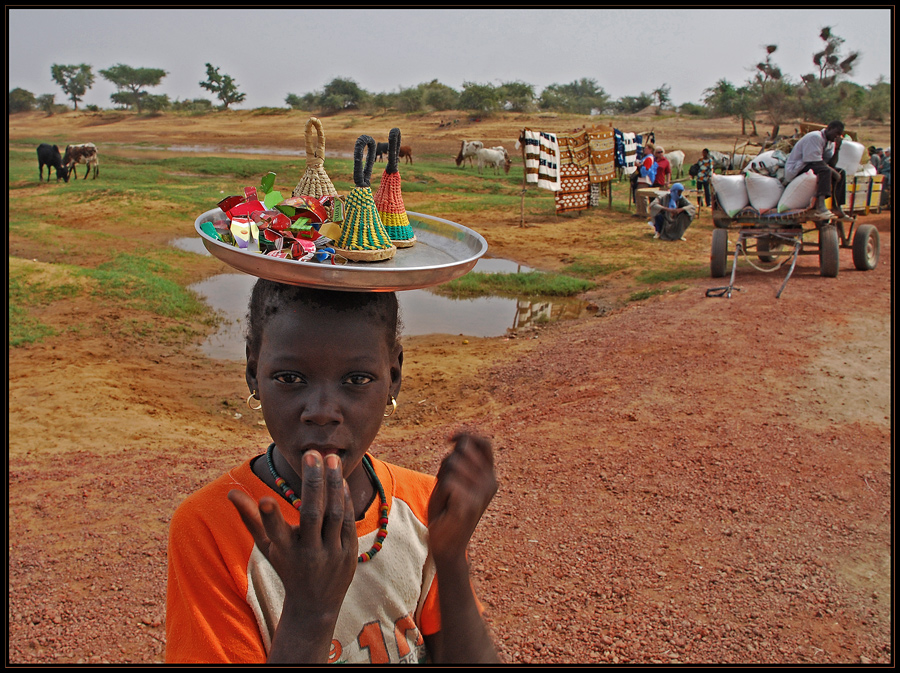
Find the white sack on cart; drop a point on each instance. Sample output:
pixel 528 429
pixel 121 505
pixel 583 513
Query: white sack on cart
pixel 764 192
pixel 799 194
pixel 731 192
pixel 850 156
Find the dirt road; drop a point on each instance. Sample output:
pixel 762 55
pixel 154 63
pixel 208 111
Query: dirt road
pixel 683 480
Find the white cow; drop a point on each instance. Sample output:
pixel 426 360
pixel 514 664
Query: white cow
pixel 720 160
pixel 495 157
pixel 467 150
pixel 676 160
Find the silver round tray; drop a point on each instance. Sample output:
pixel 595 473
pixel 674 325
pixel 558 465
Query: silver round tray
pixel 444 250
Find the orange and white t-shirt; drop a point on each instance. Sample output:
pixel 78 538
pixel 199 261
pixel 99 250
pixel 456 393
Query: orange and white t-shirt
pixel 225 599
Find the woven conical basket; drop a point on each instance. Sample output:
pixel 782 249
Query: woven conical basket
pixel 363 236
pixel 389 198
pixel 315 181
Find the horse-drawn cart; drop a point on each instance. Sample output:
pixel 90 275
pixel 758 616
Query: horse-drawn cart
pixel 768 241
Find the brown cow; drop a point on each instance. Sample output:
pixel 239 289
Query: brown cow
pixel 406 151
pixel 82 154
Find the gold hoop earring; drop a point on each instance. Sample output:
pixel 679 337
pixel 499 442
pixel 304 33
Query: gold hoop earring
pixel 393 407
pixel 252 397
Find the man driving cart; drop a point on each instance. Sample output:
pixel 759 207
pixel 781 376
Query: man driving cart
pixel 818 151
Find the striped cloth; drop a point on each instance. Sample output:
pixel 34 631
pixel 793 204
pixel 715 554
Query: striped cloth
pixel 630 152
pixel 541 158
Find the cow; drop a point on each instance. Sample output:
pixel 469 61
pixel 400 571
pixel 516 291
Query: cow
pixel 85 153
pixel 495 157
pixel 467 150
pixel 380 150
pixel 720 160
pixel 676 161
pixel 406 151
pixel 48 155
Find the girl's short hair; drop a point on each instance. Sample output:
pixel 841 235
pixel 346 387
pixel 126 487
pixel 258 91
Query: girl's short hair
pixel 269 298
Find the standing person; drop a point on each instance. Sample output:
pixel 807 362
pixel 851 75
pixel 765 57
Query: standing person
pixel 672 214
pixel 663 168
pixel 704 174
pixel 349 571
pixel 886 194
pixel 876 155
pixel 818 151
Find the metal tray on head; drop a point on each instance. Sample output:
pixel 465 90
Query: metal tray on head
pixel 444 250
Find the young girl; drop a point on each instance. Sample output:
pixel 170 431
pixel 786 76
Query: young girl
pixel 349 570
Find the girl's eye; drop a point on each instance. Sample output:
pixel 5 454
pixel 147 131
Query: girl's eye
pixel 359 379
pixel 288 377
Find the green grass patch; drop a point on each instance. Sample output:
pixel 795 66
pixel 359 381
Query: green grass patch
pixel 144 282
pixel 654 276
pixel 591 267
pixel 530 284
pixel 646 294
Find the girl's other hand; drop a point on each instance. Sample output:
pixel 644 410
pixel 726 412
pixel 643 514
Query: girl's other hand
pixel 466 483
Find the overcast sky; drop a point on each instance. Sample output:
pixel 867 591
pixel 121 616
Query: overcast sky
pixel 273 52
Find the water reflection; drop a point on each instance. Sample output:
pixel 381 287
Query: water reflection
pixel 422 311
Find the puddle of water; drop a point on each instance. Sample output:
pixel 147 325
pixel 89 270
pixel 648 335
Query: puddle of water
pixel 422 311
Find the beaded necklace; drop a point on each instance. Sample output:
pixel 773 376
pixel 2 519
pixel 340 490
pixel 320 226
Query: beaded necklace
pixel 294 499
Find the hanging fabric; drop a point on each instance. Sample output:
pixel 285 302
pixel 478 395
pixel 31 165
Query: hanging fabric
pixel 602 167
pixel 541 158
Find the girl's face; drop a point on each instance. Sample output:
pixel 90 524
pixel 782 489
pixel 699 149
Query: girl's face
pixel 324 380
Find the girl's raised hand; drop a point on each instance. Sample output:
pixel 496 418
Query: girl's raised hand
pixel 315 560
pixel 466 483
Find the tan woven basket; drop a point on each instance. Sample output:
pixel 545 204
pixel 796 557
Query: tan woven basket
pixel 315 181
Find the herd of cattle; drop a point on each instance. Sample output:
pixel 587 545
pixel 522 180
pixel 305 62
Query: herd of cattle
pixel 67 163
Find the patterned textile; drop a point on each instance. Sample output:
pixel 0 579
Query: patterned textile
pixel 595 194
pixel 541 159
pixel 575 188
pixel 574 148
pixel 602 143
pixel 629 152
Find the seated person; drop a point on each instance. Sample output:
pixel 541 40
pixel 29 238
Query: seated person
pixel 672 214
pixel 818 151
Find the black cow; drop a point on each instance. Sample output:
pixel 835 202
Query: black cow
pixel 380 150
pixel 48 155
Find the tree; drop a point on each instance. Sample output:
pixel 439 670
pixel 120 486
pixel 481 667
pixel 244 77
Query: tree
pixel 20 100
pixel 74 80
pixel 724 100
pixel 632 104
pixel 483 98
pixel 830 62
pixel 223 86
pixel 131 83
pixel 410 100
pixel 517 96
pixel 662 96
pixel 440 96
pixel 46 103
pixel 822 95
pixel 773 90
pixel 582 96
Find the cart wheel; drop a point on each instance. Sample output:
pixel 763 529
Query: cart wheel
pixel 829 249
pixel 764 244
pixel 866 247
pixel 718 257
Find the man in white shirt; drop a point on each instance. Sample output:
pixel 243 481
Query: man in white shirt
pixel 818 151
